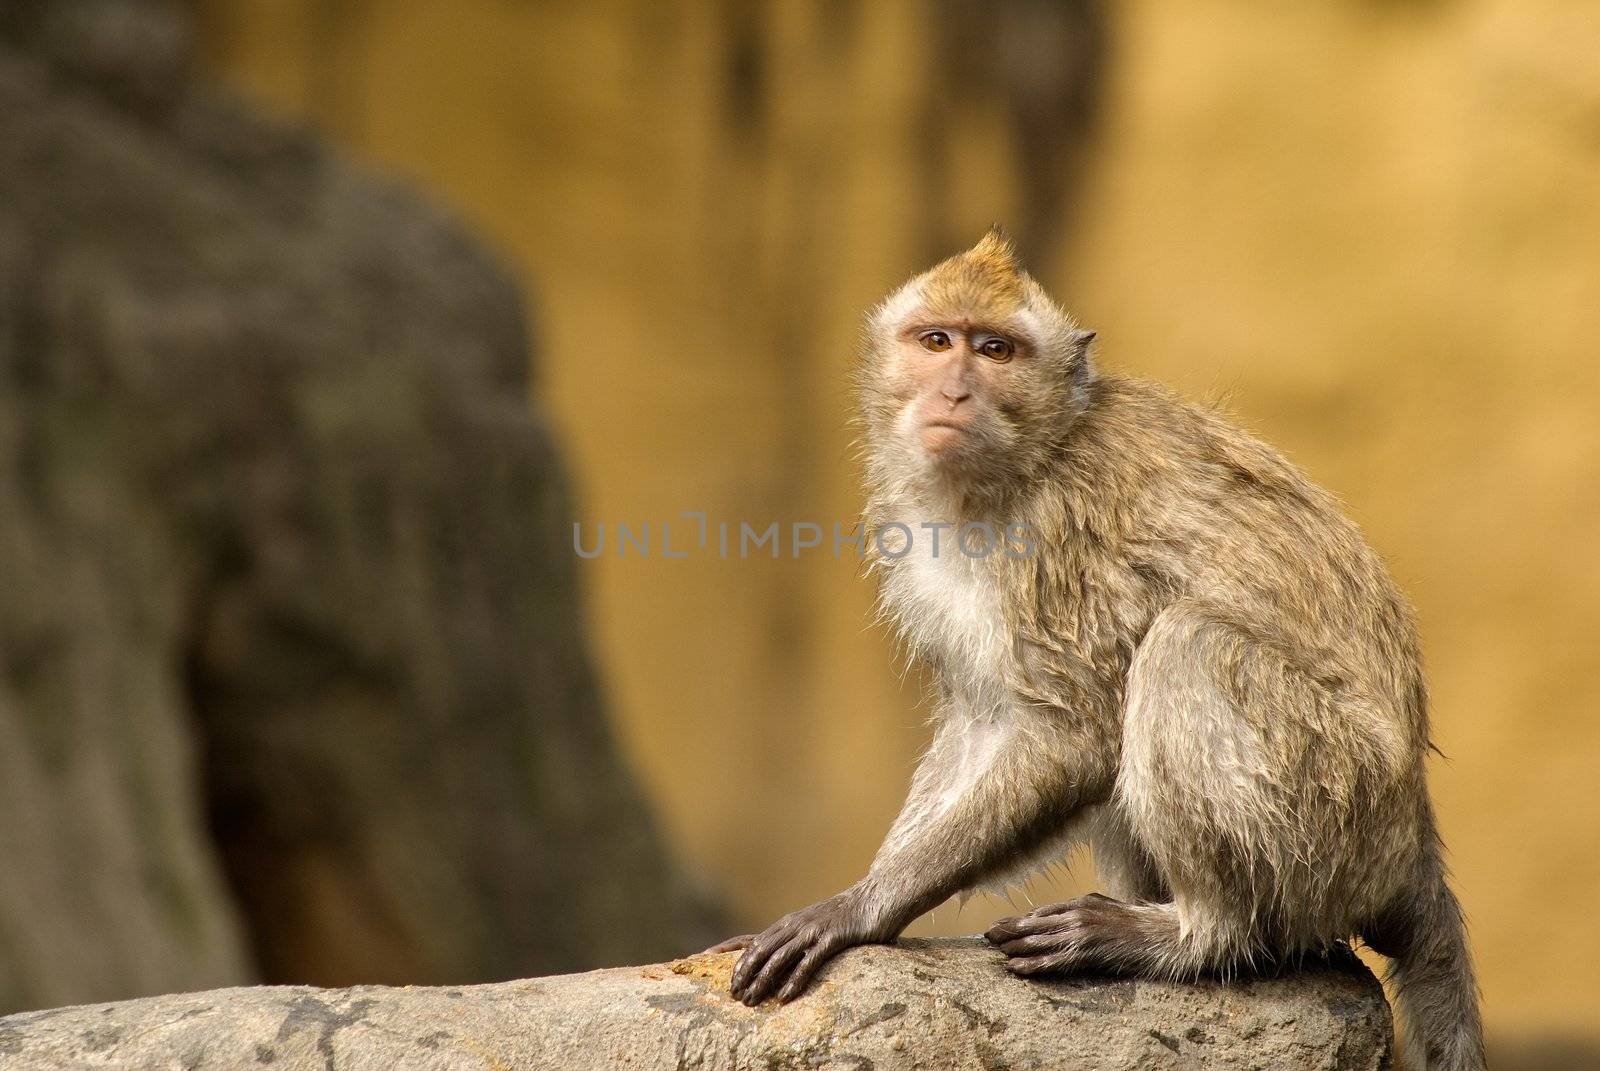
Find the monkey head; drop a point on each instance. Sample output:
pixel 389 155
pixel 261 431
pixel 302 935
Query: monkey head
pixel 970 372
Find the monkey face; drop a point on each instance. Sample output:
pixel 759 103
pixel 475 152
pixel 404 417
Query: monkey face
pixel 957 386
pixel 970 370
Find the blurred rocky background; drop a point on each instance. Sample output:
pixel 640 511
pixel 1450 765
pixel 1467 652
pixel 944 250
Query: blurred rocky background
pixel 281 522
pixel 293 683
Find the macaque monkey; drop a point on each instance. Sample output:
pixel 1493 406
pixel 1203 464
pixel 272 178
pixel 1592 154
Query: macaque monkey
pixel 1201 669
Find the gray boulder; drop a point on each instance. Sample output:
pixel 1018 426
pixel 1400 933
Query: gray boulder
pixel 921 1004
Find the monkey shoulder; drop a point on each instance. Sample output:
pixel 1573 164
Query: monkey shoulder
pixel 1176 444
pixel 1187 477
pixel 1202 508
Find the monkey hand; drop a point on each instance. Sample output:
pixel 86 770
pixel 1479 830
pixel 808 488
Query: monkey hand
pixel 1083 933
pixel 786 955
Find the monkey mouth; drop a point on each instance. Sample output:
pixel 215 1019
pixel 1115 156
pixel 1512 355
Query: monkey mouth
pixel 941 436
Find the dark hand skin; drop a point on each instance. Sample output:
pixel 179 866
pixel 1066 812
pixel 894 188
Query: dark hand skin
pixel 1081 933
pixel 784 957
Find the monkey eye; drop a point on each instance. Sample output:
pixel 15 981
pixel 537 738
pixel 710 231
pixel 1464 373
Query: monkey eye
pixel 935 341
pixel 997 349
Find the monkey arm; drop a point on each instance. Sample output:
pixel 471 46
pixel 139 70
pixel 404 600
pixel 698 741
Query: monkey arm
pixel 984 799
pixel 988 793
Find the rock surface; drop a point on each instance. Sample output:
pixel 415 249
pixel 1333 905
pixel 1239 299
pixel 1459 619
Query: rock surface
pixel 293 684
pixel 922 1004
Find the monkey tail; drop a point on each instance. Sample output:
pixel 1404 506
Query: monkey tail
pixel 1431 974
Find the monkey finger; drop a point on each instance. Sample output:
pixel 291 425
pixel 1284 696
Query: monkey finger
pixel 1048 909
pixel 755 955
pixel 1012 928
pixel 1032 965
pixel 806 969
pixel 732 944
pixel 752 959
pixel 1001 932
pixel 774 971
pixel 1033 945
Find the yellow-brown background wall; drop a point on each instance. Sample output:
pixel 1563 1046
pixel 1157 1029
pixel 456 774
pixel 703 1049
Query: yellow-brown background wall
pixel 1372 228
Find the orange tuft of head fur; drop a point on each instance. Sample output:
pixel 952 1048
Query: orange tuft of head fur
pixel 985 283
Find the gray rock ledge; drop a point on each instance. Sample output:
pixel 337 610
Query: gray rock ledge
pixel 920 1004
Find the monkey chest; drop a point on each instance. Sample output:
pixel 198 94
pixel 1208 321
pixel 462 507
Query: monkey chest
pixel 948 608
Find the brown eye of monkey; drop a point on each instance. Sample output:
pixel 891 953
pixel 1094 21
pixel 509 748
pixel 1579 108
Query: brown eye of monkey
pixel 997 349
pixel 936 341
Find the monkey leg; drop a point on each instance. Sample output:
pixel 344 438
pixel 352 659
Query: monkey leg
pixel 1267 786
pixel 1264 790
pixel 1121 863
pixel 1097 933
